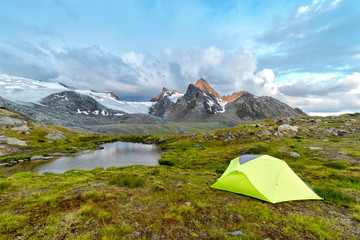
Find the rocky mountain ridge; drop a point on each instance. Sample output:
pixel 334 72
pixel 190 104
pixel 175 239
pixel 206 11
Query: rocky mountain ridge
pixel 202 103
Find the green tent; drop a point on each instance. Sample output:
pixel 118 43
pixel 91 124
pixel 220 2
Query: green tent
pixel 264 177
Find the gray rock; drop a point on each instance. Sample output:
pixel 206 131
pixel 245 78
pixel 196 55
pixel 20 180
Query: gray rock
pixel 287 131
pixel 187 204
pixel 267 133
pixel 237 217
pixel 11 141
pixel 13 123
pixel 56 135
pixel 315 148
pixel 34 158
pixel 236 233
pixel 162 139
pixel 59 154
pixel 294 154
pixel 4 150
pixel 279 122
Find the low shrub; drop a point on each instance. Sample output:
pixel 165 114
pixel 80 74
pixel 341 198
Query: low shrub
pixel 334 195
pixel 258 150
pixel 4 185
pixel 129 181
pixel 356 217
pixel 337 165
pixel 166 162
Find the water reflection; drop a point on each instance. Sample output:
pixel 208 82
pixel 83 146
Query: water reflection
pixel 113 155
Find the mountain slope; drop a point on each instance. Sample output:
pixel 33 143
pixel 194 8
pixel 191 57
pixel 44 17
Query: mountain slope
pixel 250 107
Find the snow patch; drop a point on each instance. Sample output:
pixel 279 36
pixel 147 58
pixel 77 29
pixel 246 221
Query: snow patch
pixel 104 113
pixel 82 112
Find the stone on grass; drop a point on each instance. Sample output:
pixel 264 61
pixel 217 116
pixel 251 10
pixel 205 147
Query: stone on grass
pixel 162 139
pixel 4 150
pixel 34 158
pixel 315 148
pixel 236 233
pixel 266 133
pixel 294 154
pixel 11 141
pixel 56 135
pixel 287 131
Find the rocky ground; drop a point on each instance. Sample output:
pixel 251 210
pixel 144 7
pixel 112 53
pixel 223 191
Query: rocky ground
pixel 174 201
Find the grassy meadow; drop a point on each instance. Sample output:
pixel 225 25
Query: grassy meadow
pixel 174 200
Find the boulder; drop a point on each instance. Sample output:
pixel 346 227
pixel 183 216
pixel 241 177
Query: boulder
pixel 13 123
pixel 266 133
pixel 4 150
pixel 287 131
pixel 11 141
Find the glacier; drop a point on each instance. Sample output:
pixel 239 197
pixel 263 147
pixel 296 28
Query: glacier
pixel 24 91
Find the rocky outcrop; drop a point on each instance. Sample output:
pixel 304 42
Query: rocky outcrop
pixel 4 150
pixel 163 106
pixel 11 141
pixel 13 123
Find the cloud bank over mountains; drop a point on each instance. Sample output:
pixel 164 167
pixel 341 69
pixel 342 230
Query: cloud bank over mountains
pixel 134 75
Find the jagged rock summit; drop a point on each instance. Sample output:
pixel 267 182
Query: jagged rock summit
pixel 204 86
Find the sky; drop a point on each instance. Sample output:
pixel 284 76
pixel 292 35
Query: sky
pixel 304 53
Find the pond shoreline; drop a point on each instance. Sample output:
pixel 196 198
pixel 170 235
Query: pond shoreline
pixel 115 154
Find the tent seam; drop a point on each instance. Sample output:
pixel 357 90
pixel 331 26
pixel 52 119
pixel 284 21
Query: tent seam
pixel 277 180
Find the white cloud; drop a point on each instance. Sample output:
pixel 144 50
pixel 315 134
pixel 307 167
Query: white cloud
pixel 335 95
pixel 303 10
pixel 133 58
pixel 335 3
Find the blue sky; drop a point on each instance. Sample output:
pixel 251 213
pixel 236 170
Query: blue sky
pixel 305 53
